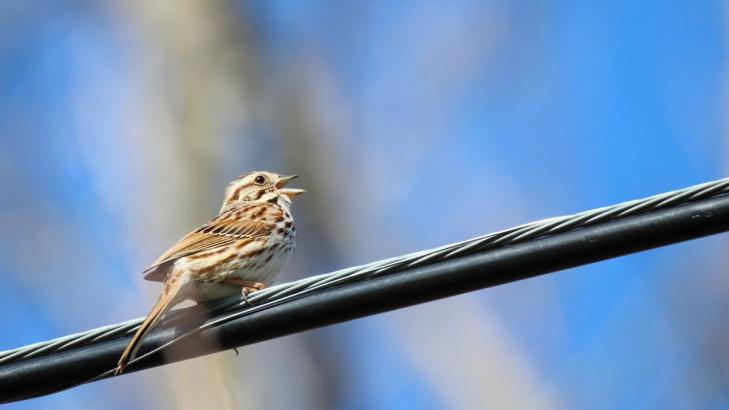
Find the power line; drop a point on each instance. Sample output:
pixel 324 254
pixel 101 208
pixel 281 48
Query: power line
pixel 502 257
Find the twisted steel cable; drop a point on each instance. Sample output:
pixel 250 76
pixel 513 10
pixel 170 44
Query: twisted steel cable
pixel 230 309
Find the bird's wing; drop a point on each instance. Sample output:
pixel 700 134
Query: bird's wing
pixel 250 221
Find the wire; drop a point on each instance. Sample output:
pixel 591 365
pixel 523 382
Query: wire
pixel 303 286
pixel 376 287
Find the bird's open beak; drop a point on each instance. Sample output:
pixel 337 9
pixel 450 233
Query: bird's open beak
pixel 291 193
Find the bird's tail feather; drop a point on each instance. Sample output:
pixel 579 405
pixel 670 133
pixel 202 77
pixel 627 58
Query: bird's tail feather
pixel 166 301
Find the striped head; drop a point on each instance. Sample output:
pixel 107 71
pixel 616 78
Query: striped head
pixel 260 186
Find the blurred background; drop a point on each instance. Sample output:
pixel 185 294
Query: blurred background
pixel 413 124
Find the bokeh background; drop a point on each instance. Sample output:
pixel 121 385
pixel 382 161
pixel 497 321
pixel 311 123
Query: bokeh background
pixel 414 124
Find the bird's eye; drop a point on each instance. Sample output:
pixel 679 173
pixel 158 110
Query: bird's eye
pixel 260 180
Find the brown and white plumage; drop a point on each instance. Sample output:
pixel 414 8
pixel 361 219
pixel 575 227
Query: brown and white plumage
pixel 240 250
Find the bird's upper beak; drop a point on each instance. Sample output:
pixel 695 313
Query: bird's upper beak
pixel 291 193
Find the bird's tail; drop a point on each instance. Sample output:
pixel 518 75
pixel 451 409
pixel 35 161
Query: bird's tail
pixel 166 301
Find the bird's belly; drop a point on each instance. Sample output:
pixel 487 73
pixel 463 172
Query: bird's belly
pixel 255 264
pixel 262 269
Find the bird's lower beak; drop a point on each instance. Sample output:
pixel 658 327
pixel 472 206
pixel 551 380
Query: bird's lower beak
pixel 291 193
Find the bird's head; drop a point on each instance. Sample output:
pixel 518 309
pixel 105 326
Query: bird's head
pixel 260 186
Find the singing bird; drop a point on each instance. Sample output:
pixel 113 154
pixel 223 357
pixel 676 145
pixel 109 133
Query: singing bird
pixel 239 251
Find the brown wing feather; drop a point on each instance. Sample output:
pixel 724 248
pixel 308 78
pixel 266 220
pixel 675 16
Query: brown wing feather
pixel 255 220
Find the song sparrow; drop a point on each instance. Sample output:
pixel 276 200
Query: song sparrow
pixel 240 250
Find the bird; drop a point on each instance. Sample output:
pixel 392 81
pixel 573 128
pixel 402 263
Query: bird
pixel 239 251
